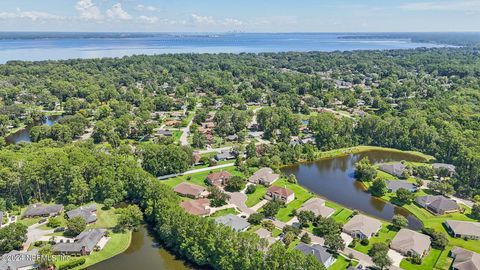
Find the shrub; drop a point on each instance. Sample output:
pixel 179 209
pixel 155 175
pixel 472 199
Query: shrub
pixel 255 218
pixel 365 242
pixel 251 189
pixel 108 203
pixel 54 222
pixel 72 264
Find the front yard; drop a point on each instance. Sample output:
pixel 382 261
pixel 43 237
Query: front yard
pixel 301 195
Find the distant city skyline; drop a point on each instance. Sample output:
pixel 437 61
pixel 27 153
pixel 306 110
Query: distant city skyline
pixel 239 15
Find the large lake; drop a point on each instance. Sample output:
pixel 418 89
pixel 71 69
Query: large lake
pixel 334 180
pixel 52 46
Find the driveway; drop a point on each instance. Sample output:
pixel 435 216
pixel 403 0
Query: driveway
pixel 238 199
pixel 396 257
pixel 34 233
pixel 163 177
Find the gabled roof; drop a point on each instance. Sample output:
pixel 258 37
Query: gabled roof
pixel 197 207
pixel 86 212
pixel 189 189
pixel 464 227
pixel 465 259
pixel 408 240
pixel 317 206
pixel 218 176
pixel 395 185
pixel 396 168
pixel 235 222
pixel 437 203
pixel 280 191
pixel 364 224
pixel 87 239
pixel 18 260
pixel 265 175
pixel 42 210
pixel 449 167
pixel 316 250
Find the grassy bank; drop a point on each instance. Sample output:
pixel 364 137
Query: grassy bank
pixel 364 148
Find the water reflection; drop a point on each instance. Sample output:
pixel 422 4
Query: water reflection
pixel 23 135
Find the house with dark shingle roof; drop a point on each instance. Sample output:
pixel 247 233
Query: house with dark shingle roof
pixel 397 169
pixel 319 252
pixel 39 210
pixel 443 166
pixel 394 185
pixel 465 259
pixel 235 222
pixel 225 155
pixel 82 245
pixel 437 204
pixel 86 212
pixel 16 260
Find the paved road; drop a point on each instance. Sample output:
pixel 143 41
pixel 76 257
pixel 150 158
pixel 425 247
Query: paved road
pixel 185 133
pixel 163 177
pixel 238 199
pixel 34 233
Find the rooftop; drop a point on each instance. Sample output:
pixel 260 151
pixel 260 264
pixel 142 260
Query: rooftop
pixel 235 222
pixel 198 207
pixel 280 191
pixel 189 189
pixel 364 224
pixel 464 227
pixel 465 259
pixel 317 206
pixel 407 240
pixel 86 212
pixel 316 250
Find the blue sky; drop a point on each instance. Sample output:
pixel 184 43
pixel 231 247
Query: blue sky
pixel 240 15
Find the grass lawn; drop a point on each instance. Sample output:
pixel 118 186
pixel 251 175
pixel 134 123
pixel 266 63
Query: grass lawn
pixel 224 212
pixel 341 214
pixel 428 262
pixel 385 235
pixel 176 134
pixel 301 196
pixel 117 244
pixel 276 232
pixel 340 264
pixel 363 148
pixel 257 196
pixel 198 178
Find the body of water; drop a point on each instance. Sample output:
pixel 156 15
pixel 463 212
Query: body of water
pixel 23 135
pixel 51 46
pixel 334 180
pixel 144 253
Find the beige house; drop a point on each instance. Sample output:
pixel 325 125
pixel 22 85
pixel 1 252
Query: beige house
pixel 463 229
pixel 190 190
pixel 362 227
pixel 409 243
pixel 199 207
pixel 317 206
pixel 218 179
pixel 280 194
pixel 264 176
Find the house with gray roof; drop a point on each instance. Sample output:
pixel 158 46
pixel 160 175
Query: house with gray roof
pixel 39 210
pixel 225 155
pixel 463 229
pixel 264 176
pixel 19 260
pixel 437 204
pixel 265 234
pixel 317 206
pixel 86 212
pixel 465 259
pixel 319 252
pixel 443 166
pixel 397 169
pixel 235 222
pixel 394 185
pixel 410 243
pixel 82 245
pixel 362 227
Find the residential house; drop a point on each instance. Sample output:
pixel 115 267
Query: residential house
pixel 394 185
pixel 319 252
pixel 235 222
pixel 397 169
pixel 198 207
pixel 362 227
pixel 19 260
pixel 443 166
pixel 317 206
pixel 164 133
pixel 463 229
pixel 279 194
pixel 266 234
pixel 410 243
pixel 84 244
pixel 39 210
pixel 232 138
pixel 218 179
pixel 86 212
pixel 464 259
pixel 225 155
pixel 437 204
pixel 264 176
pixel 190 190
pixel 197 158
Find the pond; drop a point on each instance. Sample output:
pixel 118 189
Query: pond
pixel 143 253
pixel 23 135
pixel 334 180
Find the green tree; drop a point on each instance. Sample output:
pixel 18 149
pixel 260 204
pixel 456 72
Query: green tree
pixel 129 218
pixel 399 221
pixel 379 254
pixel 378 188
pixel 306 238
pixel 235 183
pixel 76 225
pixel 334 242
pixel 12 237
pixel 255 218
pixel 271 208
pixel 364 170
pixel 404 196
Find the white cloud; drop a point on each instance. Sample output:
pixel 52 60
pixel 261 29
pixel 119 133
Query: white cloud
pixel 232 22
pixel 117 12
pixel 31 15
pixel 148 19
pixel 88 10
pixel 145 8
pixel 462 5
pixel 202 19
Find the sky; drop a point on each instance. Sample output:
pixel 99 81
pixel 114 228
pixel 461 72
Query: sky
pixel 240 15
